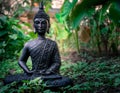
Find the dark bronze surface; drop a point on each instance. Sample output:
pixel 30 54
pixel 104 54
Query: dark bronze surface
pixel 44 54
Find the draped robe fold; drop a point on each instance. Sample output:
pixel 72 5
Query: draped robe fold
pixel 45 56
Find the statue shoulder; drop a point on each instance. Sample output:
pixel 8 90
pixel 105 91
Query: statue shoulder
pixel 29 43
pixel 52 41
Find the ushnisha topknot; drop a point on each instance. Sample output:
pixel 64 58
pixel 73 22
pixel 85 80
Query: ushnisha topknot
pixel 41 7
pixel 41 13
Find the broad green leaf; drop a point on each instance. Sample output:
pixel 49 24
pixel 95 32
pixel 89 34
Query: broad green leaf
pixel 89 3
pixel 114 12
pixel 78 13
pixel 82 10
pixel 67 7
pixel 3 19
pixel 13 36
pixel 58 17
pixel 2 33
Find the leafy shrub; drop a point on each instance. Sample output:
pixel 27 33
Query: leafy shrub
pixel 99 17
pixel 32 86
pixel 11 37
pixel 99 76
pixel 8 67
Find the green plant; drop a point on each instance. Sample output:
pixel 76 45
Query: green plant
pixel 9 67
pixel 59 33
pixel 102 74
pixel 11 37
pixel 75 11
pixel 104 25
pixel 32 86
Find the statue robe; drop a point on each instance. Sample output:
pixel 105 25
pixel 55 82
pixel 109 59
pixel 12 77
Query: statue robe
pixel 45 56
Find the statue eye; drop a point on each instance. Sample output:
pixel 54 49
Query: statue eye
pixel 36 22
pixel 44 22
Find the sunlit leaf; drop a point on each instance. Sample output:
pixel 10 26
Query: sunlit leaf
pixel 62 34
pixel 13 36
pixel 67 7
pixel 58 17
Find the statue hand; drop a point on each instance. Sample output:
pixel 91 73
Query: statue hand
pixel 47 72
pixel 42 71
pixel 30 72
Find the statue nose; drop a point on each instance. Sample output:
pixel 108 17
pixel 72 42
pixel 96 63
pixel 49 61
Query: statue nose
pixel 39 25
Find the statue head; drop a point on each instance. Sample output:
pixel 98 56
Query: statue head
pixel 41 21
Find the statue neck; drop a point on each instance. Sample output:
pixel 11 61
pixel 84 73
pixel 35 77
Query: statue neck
pixel 41 37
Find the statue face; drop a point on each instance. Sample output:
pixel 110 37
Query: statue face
pixel 41 25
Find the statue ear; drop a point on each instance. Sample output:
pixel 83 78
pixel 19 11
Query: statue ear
pixel 34 31
pixel 48 27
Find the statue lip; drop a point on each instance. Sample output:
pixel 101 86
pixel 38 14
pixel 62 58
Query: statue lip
pixel 40 29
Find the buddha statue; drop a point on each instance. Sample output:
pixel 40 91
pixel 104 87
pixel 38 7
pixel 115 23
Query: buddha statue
pixel 44 54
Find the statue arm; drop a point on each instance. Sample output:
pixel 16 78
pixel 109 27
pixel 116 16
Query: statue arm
pixel 23 60
pixel 56 61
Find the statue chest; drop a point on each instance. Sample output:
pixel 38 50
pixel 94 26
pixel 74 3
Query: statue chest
pixel 41 54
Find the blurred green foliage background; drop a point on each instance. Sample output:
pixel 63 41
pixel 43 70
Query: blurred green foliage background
pixel 87 33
